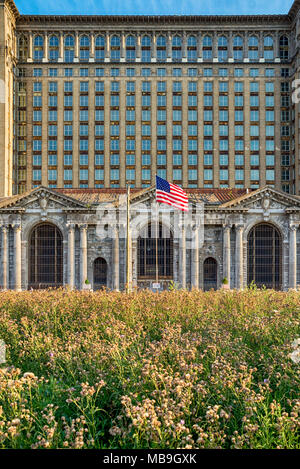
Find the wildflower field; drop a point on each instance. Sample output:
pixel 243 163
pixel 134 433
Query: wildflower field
pixel 173 370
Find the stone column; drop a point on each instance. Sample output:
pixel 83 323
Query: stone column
pixel 293 257
pixel 153 48
pixel 71 256
pixel 123 47
pixel 92 49
pixel 169 48
pixel 76 49
pixel 116 266
pixel 226 252
pixel 45 58
pixel 182 259
pixel 199 48
pixel 83 255
pixel 4 256
pixel 138 54
pixel 30 48
pixel 18 258
pixel 230 47
pixel 61 47
pixel 107 48
pixel 239 257
pixel 246 47
pixel 184 47
pixel 195 258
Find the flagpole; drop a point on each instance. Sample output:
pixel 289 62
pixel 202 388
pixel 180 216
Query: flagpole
pixel 156 246
pixel 127 242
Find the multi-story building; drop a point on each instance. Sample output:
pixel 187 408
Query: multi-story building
pixel 90 104
pixel 105 101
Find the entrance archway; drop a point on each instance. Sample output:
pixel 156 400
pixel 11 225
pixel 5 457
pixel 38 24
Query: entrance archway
pixel 210 274
pixel 265 256
pixel 45 257
pixel 100 273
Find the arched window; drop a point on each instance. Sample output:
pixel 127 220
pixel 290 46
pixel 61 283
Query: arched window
pixel 69 49
pixel 38 48
pixel 53 48
pixel 100 273
pixel 238 53
pixel 176 49
pixel 210 274
pixel 155 250
pixel 45 257
pixel 146 48
pixel 161 49
pixel 130 48
pixel 222 49
pixel 265 256
pixel 253 48
pixel 99 48
pixel 192 49
pixel 268 48
pixel 207 48
pixel 284 47
pixel 84 46
pixel 23 47
pixel 115 48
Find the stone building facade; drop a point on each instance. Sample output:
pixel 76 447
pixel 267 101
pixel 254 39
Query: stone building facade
pixel 105 101
pixel 52 237
pixel 90 104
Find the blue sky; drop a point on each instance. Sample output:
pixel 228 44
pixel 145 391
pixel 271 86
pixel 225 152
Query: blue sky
pixel 152 7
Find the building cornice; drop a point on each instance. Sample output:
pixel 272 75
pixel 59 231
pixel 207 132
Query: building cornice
pixel 12 7
pixel 154 20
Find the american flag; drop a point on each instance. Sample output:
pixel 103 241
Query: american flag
pixel 171 194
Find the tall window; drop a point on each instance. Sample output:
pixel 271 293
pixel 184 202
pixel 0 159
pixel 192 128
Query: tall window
pixel 253 48
pixel 99 48
pixel 115 44
pixel 207 48
pixel 84 51
pixel 38 48
pixel 146 48
pixel 45 257
pixel 130 48
pixel 155 250
pixel 222 49
pixel 192 49
pixel 176 49
pixel 265 256
pixel 53 48
pixel 161 49
pixel 268 48
pixel 238 48
pixel 23 47
pixel 284 47
pixel 69 49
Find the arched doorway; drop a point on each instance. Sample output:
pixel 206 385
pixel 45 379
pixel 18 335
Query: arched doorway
pixel 45 257
pixel 264 256
pixel 155 249
pixel 210 274
pixel 100 273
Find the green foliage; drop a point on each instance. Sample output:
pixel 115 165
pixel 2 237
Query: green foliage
pixel 175 370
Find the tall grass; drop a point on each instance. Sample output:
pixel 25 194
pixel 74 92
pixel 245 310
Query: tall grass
pixel 175 370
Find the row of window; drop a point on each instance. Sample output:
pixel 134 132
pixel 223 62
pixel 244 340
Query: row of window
pixel 177 50
pixel 146 174
pixel 160 72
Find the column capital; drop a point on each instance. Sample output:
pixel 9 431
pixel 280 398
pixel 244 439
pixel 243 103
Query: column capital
pixel 83 226
pixel 294 227
pixel 71 226
pixel 239 226
pixel 16 226
pixel 227 226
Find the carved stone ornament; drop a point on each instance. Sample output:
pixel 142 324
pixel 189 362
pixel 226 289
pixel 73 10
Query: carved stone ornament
pixel 43 201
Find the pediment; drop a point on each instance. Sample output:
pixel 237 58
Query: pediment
pixel 264 200
pixel 42 199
